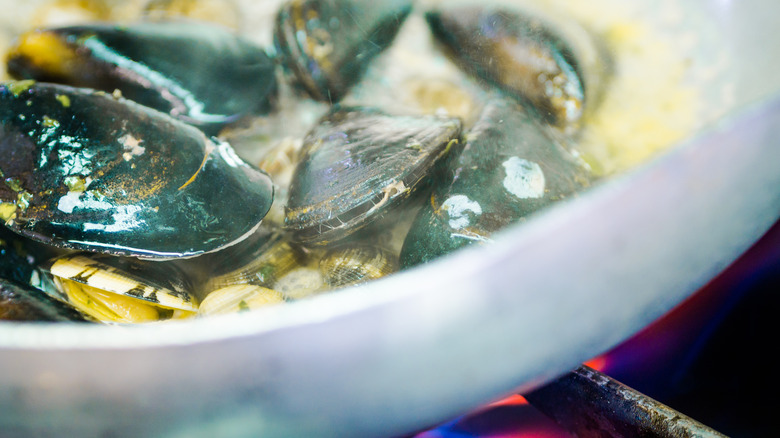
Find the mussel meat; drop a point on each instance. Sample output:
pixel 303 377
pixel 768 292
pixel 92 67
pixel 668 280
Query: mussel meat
pixel 198 73
pixel 509 168
pixel 121 289
pixel 85 170
pixel 239 298
pixel 327 44
pixel 357 164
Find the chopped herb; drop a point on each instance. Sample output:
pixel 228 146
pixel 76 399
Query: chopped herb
pixel 63 99
pixel 19 87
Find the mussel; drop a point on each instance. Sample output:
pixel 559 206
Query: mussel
pixel 17 263
pixel 327 44
pixel 355 263
pixel 22 302
pixel 20 279
pixel 239 298
pixel 121 289
pixel 262 261
pixel 509 168
pixel 524 56
pixel 199 73
pixel 86 170
pixel 106 173
pixel 357 164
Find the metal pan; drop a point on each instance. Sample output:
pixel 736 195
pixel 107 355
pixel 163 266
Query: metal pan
pixel 422 346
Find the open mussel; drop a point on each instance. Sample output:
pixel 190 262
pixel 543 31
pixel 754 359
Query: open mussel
pixel 121 289
pixel 85 170
pixel 199 73
pixel 327 44
pixel 357 164
pixel 524 56
pixel 509 168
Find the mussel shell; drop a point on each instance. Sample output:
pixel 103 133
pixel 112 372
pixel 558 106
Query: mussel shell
pixel 21 302
pixel 84 170
pixel 352 264
pixel 262 263
pixel 328 44
pixel 302 283
pixel 509 168
pixel 239 298
pixel 15 262
pixel 199 73
pixel 160 284
pixel 521 54
pixel 357 164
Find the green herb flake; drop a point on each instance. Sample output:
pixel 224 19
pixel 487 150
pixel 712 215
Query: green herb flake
pixel 14 184
pixel 50 123
pixel 75 183
pixel 63 99
pixel 19 87
pixel 7 211
pixel 23 200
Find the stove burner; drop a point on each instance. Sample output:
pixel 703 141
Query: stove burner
pixel 591 404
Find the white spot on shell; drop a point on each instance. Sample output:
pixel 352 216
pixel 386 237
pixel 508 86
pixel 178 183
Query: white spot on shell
pixel 68 202
pixel 524 179
pixel 458 207
pixel 132 146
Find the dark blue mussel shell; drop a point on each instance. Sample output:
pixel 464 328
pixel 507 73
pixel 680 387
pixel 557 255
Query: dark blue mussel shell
pixel 19 300
pixel 84 170
pixel 359 163
pixel 518 53
pixel 328 44
pixel 509 168
pixel 15 262
pixel 198 73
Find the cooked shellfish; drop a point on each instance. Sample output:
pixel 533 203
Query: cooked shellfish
pixel 509 168
pixel 21 302
pixel 85 170
pixel 20 279
pixel 239 298
pixel 198 73
pixel 262 262
pixel 116 289
pixel 524 56
pixel 353 264
pixel 358 163
pixel 328 44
